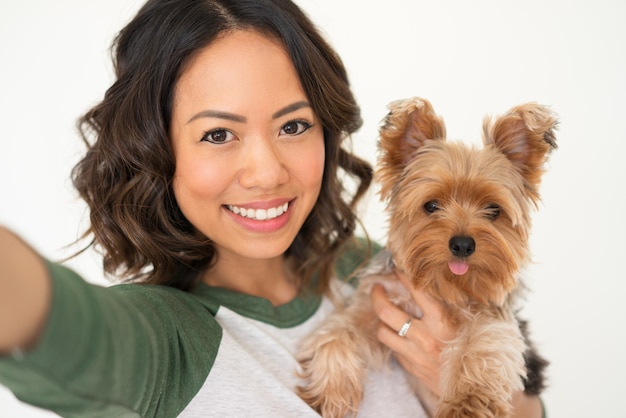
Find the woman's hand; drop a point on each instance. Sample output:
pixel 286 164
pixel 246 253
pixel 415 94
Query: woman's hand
pixel 419 351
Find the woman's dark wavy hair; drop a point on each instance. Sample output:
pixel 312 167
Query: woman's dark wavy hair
pixel 126 174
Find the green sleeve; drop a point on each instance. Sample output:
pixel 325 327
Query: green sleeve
pixel 123 351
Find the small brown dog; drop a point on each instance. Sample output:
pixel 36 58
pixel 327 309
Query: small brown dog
pixel 459 227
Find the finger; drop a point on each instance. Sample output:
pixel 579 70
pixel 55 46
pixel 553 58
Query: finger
pixel 389 314
pixel 427 336
pixel 393 341
pixel 426 302
pixel 433 315
pixel 421 358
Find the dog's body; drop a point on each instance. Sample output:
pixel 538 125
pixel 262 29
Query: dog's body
pixel 459 226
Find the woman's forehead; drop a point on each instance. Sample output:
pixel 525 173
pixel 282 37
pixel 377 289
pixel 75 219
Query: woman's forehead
pixel 238 70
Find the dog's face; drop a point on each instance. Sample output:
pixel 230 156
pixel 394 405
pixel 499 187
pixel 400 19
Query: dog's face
pixel 460 216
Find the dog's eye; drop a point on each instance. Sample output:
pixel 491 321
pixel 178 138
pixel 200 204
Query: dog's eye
pixel 431 206
pixel 492 211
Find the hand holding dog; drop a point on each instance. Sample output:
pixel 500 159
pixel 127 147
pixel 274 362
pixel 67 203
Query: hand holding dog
pixel 419 351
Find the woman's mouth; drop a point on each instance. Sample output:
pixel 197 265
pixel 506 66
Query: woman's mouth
pixel 259 214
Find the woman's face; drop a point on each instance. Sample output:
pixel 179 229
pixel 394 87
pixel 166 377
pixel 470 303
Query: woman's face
pixel 249 149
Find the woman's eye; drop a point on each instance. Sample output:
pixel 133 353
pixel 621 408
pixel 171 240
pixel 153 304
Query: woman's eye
pixel 295 127
pixel 218 136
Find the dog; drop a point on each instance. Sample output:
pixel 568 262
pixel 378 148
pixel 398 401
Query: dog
pixel 459 223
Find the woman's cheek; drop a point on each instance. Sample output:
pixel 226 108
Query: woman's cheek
pixel 311 162
pixel 197 185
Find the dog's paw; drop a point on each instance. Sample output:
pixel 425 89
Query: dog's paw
pixel 474 406
pixel 333 373
pixel 484 367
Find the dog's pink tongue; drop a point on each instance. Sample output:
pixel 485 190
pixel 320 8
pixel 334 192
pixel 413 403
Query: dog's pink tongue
pixel 458 267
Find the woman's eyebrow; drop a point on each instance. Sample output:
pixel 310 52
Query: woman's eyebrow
pixel 241 119
pixel 290 108
pixel 217 114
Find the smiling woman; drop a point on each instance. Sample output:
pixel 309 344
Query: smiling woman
pixel 215 183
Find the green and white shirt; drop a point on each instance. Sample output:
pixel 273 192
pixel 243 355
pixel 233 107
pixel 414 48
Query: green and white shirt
pixel 154 351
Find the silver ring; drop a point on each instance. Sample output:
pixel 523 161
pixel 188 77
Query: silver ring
pixel 405 327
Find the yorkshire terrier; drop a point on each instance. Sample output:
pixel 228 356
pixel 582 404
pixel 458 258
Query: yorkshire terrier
pixel 459 223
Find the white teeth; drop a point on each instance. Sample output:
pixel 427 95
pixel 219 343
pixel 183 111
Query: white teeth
pixel 259 214
pixel 251 213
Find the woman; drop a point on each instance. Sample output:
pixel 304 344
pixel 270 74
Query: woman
pixel 214 180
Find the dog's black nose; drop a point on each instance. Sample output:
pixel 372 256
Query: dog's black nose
pixel 462 246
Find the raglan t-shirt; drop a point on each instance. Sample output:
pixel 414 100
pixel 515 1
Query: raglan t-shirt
pixel 139 350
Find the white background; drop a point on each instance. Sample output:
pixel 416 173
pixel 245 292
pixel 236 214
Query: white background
pixel 468 58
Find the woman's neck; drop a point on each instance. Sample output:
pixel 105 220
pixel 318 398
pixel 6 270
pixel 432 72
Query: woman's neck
pixel 271 279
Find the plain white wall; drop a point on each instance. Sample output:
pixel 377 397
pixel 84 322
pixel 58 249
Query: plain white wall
pixel 468 58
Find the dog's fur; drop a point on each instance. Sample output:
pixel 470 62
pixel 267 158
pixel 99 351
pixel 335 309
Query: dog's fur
pixel 459 222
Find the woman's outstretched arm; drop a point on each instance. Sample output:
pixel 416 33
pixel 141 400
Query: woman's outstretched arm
pixel 25 293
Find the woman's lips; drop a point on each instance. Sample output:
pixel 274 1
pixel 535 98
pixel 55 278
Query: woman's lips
pixel 262 216
pixel 259 214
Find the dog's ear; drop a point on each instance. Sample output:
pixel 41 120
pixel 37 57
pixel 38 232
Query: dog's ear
pixel 405 129
pixel 526 136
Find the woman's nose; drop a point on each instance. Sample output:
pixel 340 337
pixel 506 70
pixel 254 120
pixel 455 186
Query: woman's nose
pixel 263 166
